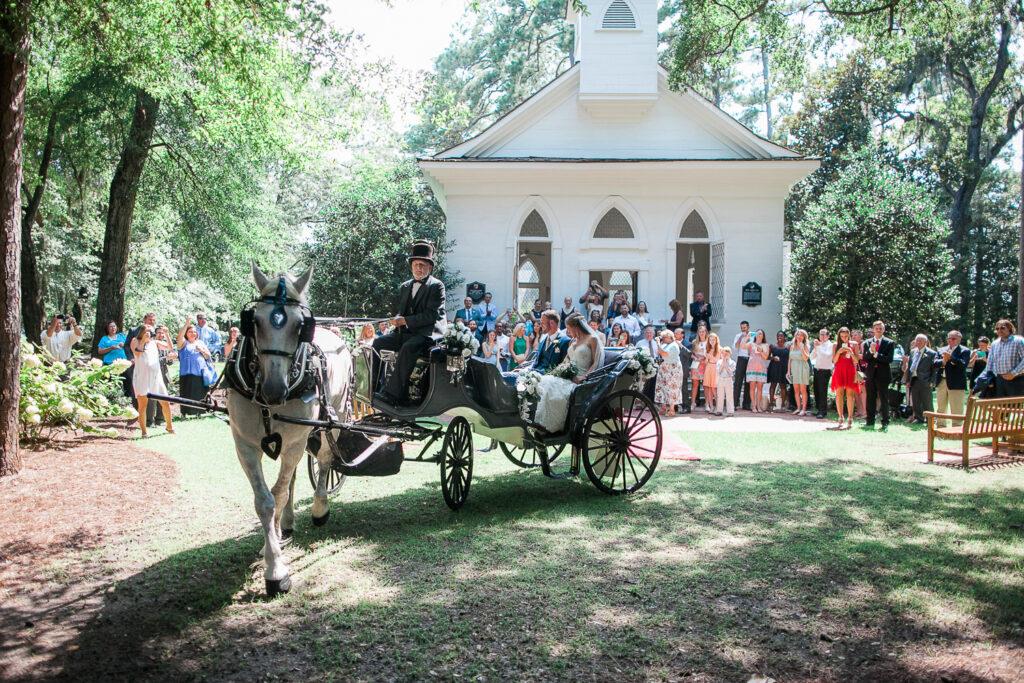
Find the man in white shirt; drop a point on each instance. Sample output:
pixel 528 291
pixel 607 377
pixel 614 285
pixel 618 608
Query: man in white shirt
pixel 628 322
pixel 821 359
pixel 59 341
pixel 741 356
pixel 503 340
pixel 650 345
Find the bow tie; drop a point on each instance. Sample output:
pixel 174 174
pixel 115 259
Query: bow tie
pixel 420 282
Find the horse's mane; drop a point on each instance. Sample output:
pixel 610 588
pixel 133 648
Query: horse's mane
pixel 271 287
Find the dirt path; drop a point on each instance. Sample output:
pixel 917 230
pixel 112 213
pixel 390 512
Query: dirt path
pixel 70 498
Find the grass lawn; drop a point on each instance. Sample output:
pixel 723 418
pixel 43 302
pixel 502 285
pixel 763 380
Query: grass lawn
pixel 806 556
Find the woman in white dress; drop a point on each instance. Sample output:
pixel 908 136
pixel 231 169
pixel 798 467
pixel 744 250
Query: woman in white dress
pixel 147 378
pixel 553 405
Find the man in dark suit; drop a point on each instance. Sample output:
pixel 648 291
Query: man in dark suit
pixel 553 345
pixel 420 322
pixel 919 368
pixel 700 311
pixel 877 356
pixel 951 380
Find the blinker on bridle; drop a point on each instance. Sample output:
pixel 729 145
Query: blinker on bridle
pixel 278 318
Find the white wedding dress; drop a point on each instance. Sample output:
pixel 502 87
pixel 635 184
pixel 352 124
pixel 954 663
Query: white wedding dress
pixel 553 405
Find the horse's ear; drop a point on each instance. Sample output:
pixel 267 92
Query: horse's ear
pixel 301 283
pixel 258 277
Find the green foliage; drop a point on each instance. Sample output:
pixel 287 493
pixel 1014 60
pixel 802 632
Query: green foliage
pixel 839 113
pixel 512 49
pixel 360 247
pixel 873 247
pixel 55 396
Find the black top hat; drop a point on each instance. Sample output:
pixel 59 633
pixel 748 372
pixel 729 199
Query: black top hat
pixel 422 250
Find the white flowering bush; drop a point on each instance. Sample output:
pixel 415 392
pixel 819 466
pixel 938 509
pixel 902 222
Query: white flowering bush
pixel 459 339
pixel 68 396
pixel 640 361
pixel 528 388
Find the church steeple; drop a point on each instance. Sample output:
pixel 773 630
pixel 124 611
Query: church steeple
pixel 616 44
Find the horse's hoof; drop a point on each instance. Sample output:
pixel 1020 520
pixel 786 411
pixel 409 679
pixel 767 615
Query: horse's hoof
pixel 275 588
pixel 320 521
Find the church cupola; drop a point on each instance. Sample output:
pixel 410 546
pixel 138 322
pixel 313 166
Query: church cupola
pixel 616 44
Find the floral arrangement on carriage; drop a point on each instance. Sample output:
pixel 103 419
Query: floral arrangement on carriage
pixel 640 361
pixel 528 388
pixel 459 343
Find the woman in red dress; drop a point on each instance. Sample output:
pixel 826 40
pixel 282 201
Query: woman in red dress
pixel 844 377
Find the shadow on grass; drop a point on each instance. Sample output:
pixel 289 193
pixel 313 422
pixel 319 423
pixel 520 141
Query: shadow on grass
pixel 831 570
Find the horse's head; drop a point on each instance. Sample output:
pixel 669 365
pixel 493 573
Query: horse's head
pixel 279 322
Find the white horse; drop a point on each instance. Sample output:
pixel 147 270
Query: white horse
pixel 277 341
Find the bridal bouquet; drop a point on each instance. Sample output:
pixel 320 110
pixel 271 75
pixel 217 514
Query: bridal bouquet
pixel 528 388
pixel 640 361
pixel 567 369
pixel 460 340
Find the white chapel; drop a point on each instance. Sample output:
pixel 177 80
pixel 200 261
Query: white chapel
pixel 607 174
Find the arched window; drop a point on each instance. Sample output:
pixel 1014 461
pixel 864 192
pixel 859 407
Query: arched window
pixel 534 226
pixel 528 283
pixel 694 227
pixel 618 15
pixel 613 225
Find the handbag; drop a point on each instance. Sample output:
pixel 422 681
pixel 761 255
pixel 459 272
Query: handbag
pixel 208 373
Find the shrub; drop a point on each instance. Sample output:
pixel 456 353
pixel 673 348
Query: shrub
pixel 59 396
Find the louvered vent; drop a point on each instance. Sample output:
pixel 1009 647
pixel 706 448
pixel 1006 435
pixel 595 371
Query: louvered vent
pixel 618 15
pixel 693 227
pixel 614 226
pixel 534 226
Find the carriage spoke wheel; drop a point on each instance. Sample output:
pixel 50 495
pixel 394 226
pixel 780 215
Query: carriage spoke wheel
pixel 622 442
pixel 528 457
pixel 456 463
pixel 334 478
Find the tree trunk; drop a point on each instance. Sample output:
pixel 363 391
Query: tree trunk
pixel 1020 253
pixel 14 50
pixel 124 188
pixel 32 313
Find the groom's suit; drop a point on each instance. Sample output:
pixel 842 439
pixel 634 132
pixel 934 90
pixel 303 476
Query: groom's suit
pixel 551 352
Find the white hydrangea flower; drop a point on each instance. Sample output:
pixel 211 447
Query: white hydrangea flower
pixel 65 406
pixel 102 401
pixel 49 388
pixel 84 414
pixel 31 409
pixel 59 367
pixel 112 433
pixel 131 413
pixel 31 361
pixel 34 419
pixel 96 362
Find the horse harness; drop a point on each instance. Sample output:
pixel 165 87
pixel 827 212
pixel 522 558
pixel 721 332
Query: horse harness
pixel 307 376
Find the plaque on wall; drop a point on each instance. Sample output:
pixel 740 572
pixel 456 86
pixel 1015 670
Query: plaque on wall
pixel 751 294
pixel 475 291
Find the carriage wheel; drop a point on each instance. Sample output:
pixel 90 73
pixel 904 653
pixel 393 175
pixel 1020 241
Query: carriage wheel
pixel 528 457
pixel 622 442
pixel 456 462
pixel 334 478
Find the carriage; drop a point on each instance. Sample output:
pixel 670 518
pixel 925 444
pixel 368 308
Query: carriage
pixel 613 431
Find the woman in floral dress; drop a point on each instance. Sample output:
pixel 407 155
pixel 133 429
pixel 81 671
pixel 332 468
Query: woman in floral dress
pixel 668 388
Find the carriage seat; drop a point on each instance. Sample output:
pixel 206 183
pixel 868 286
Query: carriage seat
pixel 611 355
pixel 488 387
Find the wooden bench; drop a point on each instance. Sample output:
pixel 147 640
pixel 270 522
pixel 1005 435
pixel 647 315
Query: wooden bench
pixel 994 418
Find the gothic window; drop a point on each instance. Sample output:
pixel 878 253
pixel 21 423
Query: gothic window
pixel 694 227
pixel 614 226
pixel 534 226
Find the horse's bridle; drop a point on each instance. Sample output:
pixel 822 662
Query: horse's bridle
pixel 278 317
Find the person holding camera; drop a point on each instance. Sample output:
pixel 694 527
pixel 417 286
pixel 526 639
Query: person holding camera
pixel 111 346
pixel 59 338
pixel 594 298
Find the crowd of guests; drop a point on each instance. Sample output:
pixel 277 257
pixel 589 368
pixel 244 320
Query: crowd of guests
pixel 794 373
pixel 150 350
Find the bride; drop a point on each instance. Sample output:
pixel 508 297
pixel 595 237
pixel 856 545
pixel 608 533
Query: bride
pixel 553 405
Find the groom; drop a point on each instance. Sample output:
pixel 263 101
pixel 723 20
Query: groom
pixel 553 346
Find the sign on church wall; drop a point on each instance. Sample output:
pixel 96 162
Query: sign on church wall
pixel 751 294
